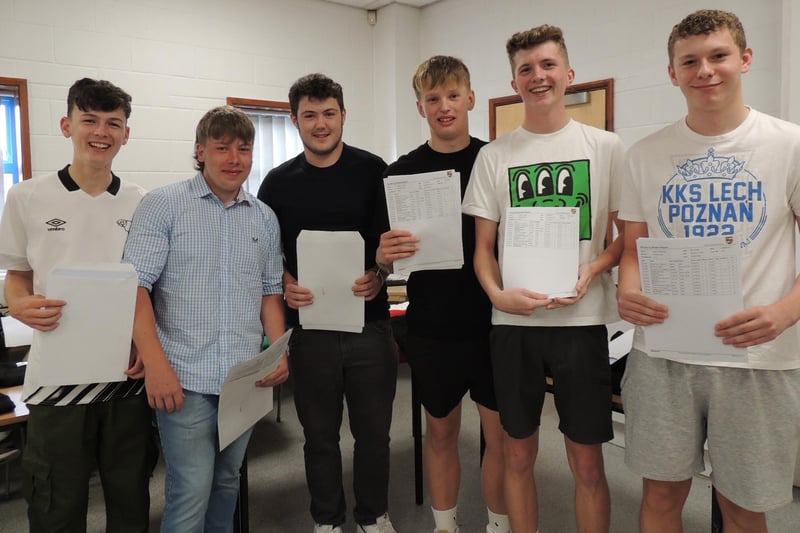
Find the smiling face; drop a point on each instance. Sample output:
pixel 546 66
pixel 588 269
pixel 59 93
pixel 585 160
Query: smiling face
pixel 226 165
pixel 320 124
pixel 97 137
pixel 708 69
pixel 541 76
pixel 446 108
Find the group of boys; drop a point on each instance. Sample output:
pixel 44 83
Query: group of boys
pixel 208 238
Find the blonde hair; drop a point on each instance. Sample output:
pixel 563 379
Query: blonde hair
pixel 437 71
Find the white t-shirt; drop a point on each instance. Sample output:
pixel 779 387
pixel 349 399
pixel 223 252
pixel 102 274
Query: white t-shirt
pixel 49 221
pixel 743 183
pixel 501 177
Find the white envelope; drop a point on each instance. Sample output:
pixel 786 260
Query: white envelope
pixel 92 343
pixel 328 262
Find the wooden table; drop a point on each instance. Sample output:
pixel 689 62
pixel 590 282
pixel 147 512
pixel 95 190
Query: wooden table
pixel 396 293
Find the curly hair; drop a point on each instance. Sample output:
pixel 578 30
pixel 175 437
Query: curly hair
pixel 315 87
pixel 704 22
pixel 525 40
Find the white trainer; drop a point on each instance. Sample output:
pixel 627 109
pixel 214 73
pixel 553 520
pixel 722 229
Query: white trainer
pixel 326 528
pixel 381 525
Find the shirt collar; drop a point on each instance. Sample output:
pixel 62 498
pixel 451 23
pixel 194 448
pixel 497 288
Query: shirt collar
pixel 71 186
pixel 199 189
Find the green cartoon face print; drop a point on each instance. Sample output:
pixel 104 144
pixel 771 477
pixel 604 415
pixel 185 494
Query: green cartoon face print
pixel 554 185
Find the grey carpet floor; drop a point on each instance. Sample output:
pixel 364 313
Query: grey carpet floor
pixel 279 500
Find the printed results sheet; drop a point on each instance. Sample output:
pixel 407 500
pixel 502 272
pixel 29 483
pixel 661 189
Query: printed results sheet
pixel 699 280
pixel 429 206
pixel 540 250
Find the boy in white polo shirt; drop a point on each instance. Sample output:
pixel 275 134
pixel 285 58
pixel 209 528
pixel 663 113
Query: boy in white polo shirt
pixel 81 213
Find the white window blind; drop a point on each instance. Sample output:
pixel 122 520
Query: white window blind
pixel 276 142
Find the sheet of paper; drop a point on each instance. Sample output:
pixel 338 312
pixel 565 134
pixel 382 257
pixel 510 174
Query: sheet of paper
pixel 429 206
pixel 328 263
pixel 241 403
pixel 699 279
pixel 540 252
pixel 92 343
pixel 16 333
pixel 620 346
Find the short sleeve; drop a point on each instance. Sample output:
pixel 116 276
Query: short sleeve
pixel 630 207
pixel 272 278
pixel 480 196
pixel 147 246
pixel 13 233
pixel 617 174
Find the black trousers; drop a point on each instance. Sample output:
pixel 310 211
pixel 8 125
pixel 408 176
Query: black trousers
pixel 63 446
pixel 329 367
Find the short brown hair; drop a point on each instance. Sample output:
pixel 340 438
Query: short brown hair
pixel 315 87
pixel 97 95
pixel 223 123
pixel 525 40
pixel 704 22
pixel 437 71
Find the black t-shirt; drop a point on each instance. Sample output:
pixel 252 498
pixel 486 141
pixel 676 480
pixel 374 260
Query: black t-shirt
pixel 341 197
pixel 445 304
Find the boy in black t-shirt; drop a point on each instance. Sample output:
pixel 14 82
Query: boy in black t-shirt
pixel 449 315
pixel 333 187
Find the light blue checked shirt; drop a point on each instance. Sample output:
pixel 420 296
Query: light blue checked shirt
pixel 206 266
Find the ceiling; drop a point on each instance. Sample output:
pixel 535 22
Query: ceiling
pixel 376 4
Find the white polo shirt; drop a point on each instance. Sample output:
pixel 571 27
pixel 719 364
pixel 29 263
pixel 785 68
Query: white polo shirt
pixel 49 221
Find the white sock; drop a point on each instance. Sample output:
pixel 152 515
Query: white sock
pixel 445 520
pixel 498 523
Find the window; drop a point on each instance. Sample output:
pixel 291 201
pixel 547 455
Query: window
pixel 15 148
pixel 277 139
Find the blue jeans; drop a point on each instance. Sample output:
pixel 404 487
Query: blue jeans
pixel 202 483
pixel 329 368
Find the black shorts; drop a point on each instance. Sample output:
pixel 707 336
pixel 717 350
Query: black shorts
pixel 576 358
pixel 444 370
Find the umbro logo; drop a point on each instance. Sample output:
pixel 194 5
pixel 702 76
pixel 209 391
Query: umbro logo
pixel 56 224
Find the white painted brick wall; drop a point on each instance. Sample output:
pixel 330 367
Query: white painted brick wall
pixel 178 59
pixel 620 39
pixel 182 57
